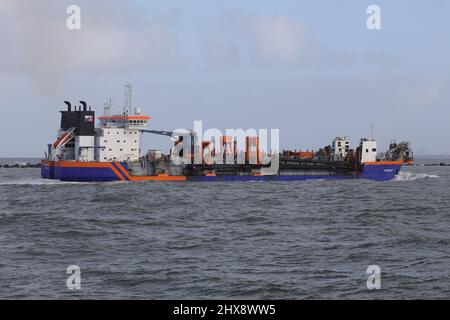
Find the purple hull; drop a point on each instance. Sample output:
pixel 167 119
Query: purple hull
pixel 92 173
pixel 381 172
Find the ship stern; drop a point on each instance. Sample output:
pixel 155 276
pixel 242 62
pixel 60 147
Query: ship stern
pixel 47 169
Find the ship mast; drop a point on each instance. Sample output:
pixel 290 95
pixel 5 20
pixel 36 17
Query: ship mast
pixel 127 102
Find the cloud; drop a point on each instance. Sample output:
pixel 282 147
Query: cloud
pixel 285 41
pixel 267 40
pixel 113 38
pixel 276 39
pixel 221 51
pixel 381 59
pixel 420 94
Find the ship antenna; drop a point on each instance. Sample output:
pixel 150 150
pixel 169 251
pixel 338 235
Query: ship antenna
pixel 107 107
pixel 127 102
pixel 371 131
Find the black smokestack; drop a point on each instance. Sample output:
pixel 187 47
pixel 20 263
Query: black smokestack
pixel 69 105
pixel 84 104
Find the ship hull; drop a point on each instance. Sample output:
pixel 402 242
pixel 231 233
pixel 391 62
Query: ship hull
pixel 118 171
pixel 270 178
pixel 82 171
pixel 381 171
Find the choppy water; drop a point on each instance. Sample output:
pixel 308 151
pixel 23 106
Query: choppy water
pixel 284 240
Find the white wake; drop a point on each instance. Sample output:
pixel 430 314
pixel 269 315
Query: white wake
pixel 409 176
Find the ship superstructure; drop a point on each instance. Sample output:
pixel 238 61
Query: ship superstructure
pixel 112 151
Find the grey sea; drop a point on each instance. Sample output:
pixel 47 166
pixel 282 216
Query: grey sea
pixel 246 240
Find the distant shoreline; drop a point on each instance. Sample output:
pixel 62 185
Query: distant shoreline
pixel 21 165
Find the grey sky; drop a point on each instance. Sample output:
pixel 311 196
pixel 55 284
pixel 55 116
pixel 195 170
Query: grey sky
pixel 311 69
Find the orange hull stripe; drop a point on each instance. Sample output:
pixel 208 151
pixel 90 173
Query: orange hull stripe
pixel 117 173
pixel 122 170
pixel 48 163
pixel 384 163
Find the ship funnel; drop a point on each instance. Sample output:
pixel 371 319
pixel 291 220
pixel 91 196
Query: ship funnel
pixel 84 104
pixel 69 105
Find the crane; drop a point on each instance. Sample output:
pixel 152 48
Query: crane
pixel 173 134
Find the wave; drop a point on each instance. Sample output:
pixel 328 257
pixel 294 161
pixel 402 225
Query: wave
pixel 409 176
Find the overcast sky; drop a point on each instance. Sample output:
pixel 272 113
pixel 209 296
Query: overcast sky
pixel 309 68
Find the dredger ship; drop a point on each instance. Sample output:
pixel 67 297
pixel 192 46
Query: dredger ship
pixel 111 152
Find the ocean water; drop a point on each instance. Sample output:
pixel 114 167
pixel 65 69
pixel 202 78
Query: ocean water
pixel 242 240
